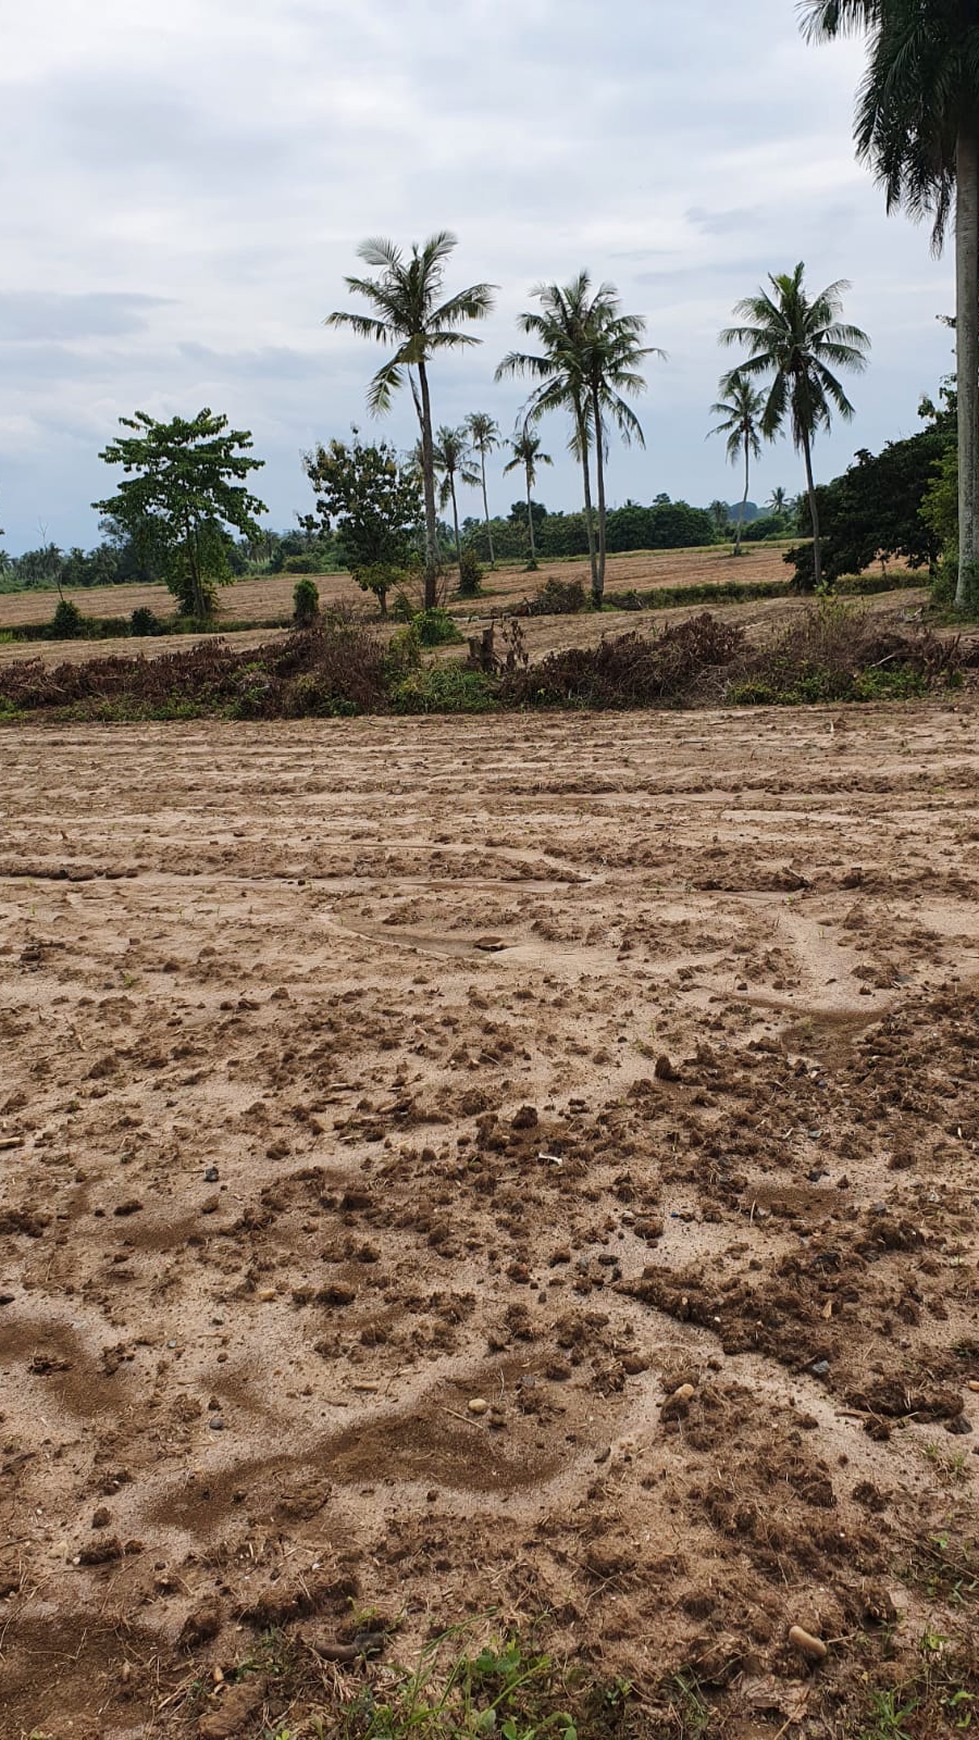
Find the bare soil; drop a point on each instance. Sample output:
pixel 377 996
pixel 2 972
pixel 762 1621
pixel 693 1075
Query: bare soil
pixel 617 1074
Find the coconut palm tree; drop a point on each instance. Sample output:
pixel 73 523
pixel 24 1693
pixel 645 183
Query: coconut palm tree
pixel 557 367
pixel 526 450
pixel 778 501
pixel 793 340
pixel 409 316
pixel 917 124
pixel 590 355
pixel 484 436
pixel 453 460
pixel 741 413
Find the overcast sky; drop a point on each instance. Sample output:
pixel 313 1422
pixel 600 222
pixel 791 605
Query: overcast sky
pixel 185 185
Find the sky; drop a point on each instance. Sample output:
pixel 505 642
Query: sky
pixel 184 187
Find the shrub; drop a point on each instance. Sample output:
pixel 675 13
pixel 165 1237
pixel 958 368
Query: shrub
pixel 145 621
pixel 302 565
pixel 444 689
pixel 67 623
pixel 837 652
pixel 305 603
pixel 404 654
pixel 559 598
pixel 470 574
pixel 436 627
pixel 631 670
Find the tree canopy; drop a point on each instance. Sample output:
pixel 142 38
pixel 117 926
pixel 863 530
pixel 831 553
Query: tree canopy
pixel 182 494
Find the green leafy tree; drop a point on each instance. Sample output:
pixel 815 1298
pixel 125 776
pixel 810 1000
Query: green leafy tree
pixel 917 124
pixel 371 499
pixel 589 359
pixel 879 508
pixel 720 515
pixel 740 414
pixel 527 456
pixel 408 315
pixel 484 438
pixel 797 341
pixel 453 460
pixel 183 491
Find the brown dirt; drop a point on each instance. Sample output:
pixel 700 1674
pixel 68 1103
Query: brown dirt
pixel 270 595
pixel 554 1064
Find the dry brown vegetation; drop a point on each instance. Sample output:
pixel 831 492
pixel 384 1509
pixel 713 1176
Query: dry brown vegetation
pixel 617 1074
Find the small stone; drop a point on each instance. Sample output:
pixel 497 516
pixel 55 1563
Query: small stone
pixel 101 1518
pixel 820 1368
pixel 665 1070
pixel 216 1424
pixel 478 1405
pixel 212 1175
pixel 813 1648
pixel 266 1295
pixel 958 1426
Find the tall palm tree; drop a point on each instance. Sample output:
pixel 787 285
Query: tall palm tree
pixel 741 413
pixel 526 450
pixel 778 501
pixel 917 124
pixel 613 354
pixel 452 458
pixel 484 436
pixel 409 317
pixel 794 340
pixel 590 355
pixel 557 367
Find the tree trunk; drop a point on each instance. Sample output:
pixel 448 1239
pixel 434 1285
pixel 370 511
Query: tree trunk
pixel 967 360
pixel 455 520
pixel 530 518
pixel 744 502
pixel 817 555
pixel 489 535
pixel 598 584
pixel 428 486
pixel 586 473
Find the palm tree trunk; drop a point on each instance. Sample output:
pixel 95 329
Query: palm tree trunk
pixel 598 588
pixel 586 473
pixel 530 518
pixel 817 554
pixel 744 502
pixel 455 520
pixel 428 487
pixel 966 355
pixel 489 535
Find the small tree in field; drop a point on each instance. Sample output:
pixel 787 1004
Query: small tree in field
pixel 373 502
pixel 182 494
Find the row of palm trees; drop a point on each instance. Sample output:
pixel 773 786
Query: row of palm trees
pixel 455 452
pixel 587 363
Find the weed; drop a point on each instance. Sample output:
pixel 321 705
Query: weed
pixel 444 689
pixel 888 1716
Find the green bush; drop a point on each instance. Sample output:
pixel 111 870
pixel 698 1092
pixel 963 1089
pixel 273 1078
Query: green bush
pixel 436 628
pixel 404 654
pixel 444 689
pixel 302 565
pixel 470 574
pixel 305 603
pixel 145 621
pixel 66 623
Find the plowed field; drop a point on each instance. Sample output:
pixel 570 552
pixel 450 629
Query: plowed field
pixel 454 1167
